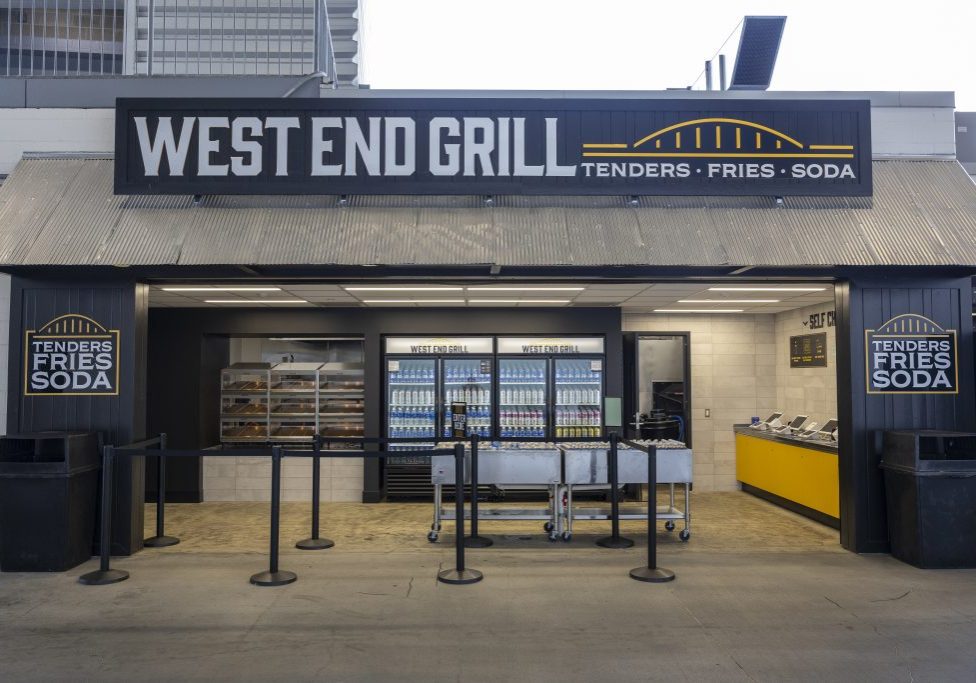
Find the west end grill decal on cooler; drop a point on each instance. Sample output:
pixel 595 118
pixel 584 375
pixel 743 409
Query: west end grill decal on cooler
pixel 72 355
pixel 493 146
pixel 911 354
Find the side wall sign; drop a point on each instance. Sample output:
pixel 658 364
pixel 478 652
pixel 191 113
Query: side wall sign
pixel 808 350
pixel 911 354
pixel 72 355
pixel 377 145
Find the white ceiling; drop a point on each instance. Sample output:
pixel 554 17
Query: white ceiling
pixel 635 297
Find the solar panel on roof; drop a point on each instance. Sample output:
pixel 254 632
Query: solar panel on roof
pixel 756 57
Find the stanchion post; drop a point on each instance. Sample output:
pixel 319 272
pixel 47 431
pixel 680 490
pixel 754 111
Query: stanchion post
pixel 475 540
pixel 105 574
pixel 161 540
pixel 314 542
pixel 652 573
pixel 274 576
pixel 614 540
pixel 460 574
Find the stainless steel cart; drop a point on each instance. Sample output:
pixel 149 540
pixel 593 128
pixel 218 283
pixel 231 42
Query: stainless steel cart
pixel 505 468
pixel 586 469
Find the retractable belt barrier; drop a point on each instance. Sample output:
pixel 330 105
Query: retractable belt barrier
pixel 274 576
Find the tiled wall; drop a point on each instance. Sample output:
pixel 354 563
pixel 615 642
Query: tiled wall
pixel 249 479
pixel 740 368
pixel 805 391
pixel 733 377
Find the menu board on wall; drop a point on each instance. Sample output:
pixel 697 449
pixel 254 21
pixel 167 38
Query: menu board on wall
pixel 808 351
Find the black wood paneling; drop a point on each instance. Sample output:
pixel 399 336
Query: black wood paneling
pixel 119 419
pixel 867 304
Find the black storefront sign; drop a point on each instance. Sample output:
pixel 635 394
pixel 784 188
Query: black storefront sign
pixel 493 146
pixel 911 354
pixel 72 355
pixel 808 351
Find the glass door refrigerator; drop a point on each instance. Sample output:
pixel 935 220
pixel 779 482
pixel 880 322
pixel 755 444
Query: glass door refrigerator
pixel 467 380
pixel 578 389
pixel 551 388
pixel 523 398
pixel 411 399
pixel 423 376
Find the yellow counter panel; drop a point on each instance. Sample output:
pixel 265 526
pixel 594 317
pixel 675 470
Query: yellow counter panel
pixel 794 472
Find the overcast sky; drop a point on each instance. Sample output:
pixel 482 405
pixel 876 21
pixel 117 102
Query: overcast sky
pixel 649 45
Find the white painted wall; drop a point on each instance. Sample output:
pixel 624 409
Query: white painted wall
pixel 913 131
pixel 53 130
pixel 733 378
pixel 740 368
pixel 4 347
pixel 805 391
pixel 895 131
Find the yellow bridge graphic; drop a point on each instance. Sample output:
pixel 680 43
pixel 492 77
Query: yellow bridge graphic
pixel 909 324
pixel 718 138
pixel 73 324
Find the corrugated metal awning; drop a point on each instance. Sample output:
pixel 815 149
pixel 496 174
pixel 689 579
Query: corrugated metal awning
pixel 63 212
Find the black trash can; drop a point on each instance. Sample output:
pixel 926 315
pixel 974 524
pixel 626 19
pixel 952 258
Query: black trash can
pixel 930 487
pixel 48 499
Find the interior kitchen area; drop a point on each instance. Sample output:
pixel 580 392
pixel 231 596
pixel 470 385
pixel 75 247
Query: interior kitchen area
pixel 704 365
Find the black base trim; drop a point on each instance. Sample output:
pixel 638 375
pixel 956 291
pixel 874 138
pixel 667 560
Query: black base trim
pixel 177 497
pixel 793 506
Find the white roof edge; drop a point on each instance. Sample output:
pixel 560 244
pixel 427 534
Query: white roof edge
pixel 878 98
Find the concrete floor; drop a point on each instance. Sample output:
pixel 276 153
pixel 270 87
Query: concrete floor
pixel 371 610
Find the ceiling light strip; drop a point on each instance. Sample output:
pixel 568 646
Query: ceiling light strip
pixel 766 289
pixel 255 301
pixel 413 301
pixel 221 289
pixel 403 288
pixel 698 310
pixel 518 301
pixel 493 288
pixel 728 301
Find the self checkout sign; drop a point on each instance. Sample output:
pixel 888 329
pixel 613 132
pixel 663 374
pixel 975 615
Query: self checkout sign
pixel 911 354
pixel 71 355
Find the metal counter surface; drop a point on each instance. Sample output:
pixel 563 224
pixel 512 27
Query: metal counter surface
pixel 503 467
pixel 589 466
pixel 817 445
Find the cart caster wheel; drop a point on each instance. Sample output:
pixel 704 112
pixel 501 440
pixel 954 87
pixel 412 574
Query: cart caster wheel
pixel 432 536
pixel 669 525
pixel 567 537
pixel 547 527
pixel 553 538
pixel 684 535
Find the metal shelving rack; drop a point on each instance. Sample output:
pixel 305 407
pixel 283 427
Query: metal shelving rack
pixel 244 401
pixel 341 401
pixel 293 405
pixel 291 402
